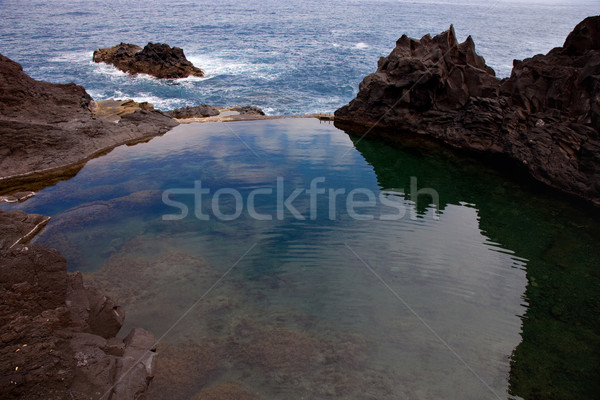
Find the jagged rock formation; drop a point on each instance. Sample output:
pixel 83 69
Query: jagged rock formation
pixel 48 128
pixel 545 117
pixel 57 333
pixel 156 59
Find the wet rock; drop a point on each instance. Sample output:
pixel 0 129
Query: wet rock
pixel 156 59
pixel 17 197
pixel 544 118
pixel 18 227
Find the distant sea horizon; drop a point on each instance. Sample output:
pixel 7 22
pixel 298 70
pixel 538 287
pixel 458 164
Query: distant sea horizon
pixel 285 57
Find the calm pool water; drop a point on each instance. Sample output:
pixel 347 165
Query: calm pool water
pixel 493 292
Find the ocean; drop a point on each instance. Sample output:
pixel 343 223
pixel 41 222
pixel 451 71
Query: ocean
pixel 286 57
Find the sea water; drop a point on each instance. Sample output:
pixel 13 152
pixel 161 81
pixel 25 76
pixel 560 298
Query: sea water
pixel 476 288
pixel 287 57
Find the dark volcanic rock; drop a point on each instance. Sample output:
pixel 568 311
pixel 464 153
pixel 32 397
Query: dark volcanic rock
pixel 248 110
pixel 156 59
pixel 200 111
pixel 57 333
pixel 47 128
pixel 545 117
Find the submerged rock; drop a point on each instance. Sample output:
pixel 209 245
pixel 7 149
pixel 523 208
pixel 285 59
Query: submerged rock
pixel 48 129
pixel 544 118
pixel 156 59
pixel 58 334
pixel 226 391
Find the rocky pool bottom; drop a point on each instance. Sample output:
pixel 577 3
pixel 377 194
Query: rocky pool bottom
pixel 496 298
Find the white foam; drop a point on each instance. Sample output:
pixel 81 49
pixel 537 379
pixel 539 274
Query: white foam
pixel 215 66
pixel 361 46
pixel 158 102
pixel 106 69
pixel 268 110
pixel 73 56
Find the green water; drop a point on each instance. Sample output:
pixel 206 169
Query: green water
pixel 492 293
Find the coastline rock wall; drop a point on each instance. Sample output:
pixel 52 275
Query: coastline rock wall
pixel 156 59
pixel 545 117
pixel 57 333
pixel 47 128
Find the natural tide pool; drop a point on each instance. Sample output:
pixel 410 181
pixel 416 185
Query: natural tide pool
pixel 264 291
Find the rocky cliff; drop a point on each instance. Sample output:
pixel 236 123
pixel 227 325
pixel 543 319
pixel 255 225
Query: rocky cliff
pixel 545 117
pixel 48 128
pixel 156 59
pixel 57 333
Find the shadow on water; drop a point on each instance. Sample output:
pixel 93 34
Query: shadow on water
pixel 559 356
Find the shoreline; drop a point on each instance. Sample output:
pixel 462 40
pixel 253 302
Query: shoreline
pixel 252 117
pixel 38 179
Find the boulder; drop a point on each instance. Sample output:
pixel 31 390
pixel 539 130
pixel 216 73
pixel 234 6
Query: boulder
pixel 544 118
pixel 156 59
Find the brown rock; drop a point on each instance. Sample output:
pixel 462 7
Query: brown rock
pixel 54 329
pixel 159 60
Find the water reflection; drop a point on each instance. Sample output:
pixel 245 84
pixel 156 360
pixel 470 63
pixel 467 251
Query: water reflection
pixel 305 314
pixel 559 355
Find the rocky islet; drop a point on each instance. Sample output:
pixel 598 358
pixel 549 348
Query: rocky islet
pixel 157 59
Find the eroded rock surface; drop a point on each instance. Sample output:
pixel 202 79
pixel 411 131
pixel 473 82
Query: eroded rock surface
pixel 57 333
pixel 545 117
pixel 156 59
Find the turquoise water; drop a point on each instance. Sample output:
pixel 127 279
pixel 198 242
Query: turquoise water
pixel 288 57
pixel 490 291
